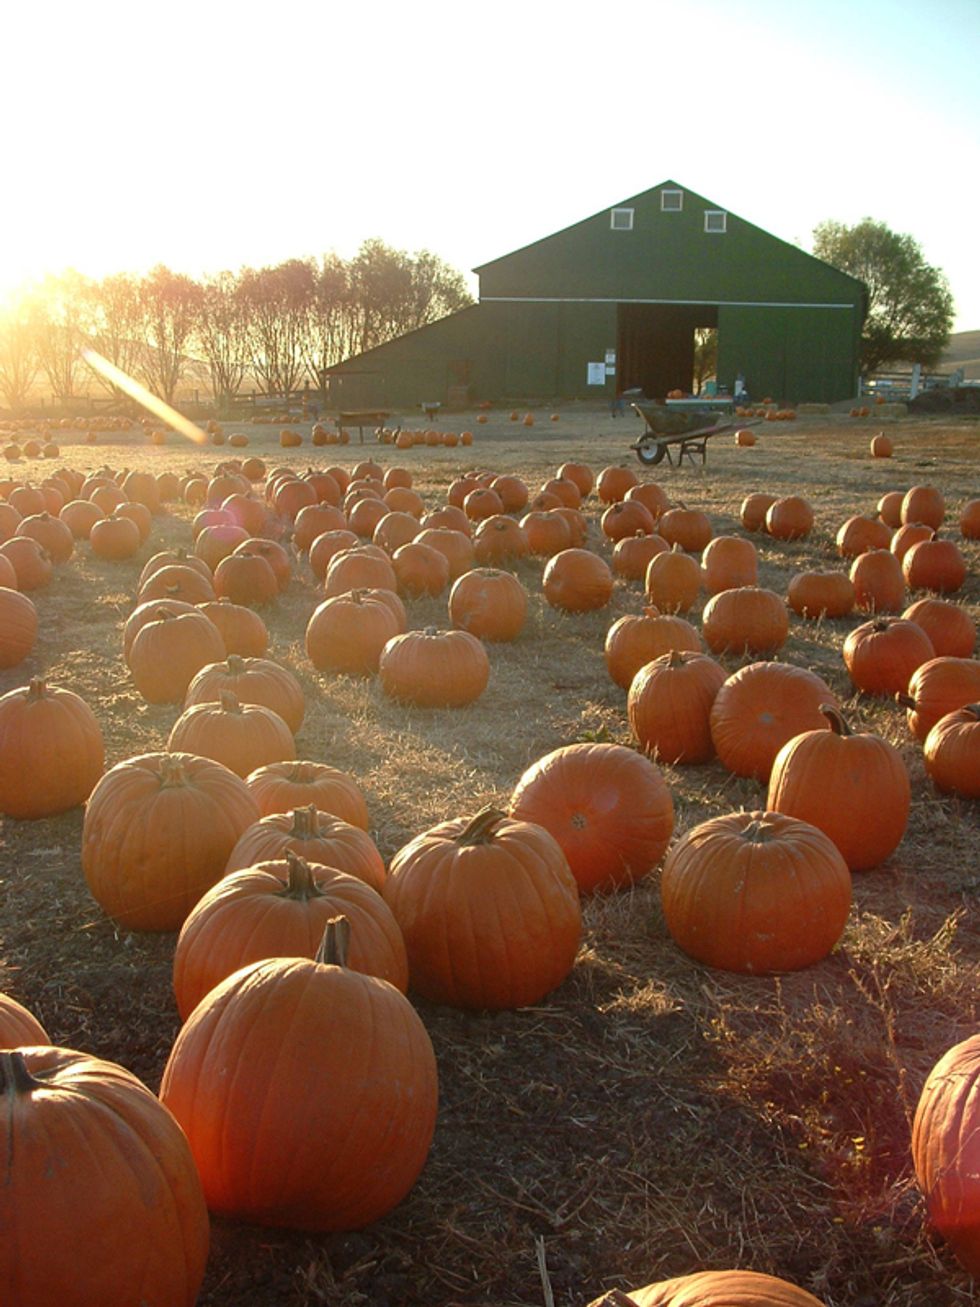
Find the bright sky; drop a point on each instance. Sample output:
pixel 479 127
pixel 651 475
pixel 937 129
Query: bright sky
pixel 208 135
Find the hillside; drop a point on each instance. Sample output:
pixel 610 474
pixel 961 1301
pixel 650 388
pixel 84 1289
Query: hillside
pixel 964 352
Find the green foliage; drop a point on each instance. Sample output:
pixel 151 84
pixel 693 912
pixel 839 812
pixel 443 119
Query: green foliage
pixel 910 306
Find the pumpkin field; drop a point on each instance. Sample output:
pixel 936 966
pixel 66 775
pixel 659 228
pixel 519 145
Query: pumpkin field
pixel 613 1109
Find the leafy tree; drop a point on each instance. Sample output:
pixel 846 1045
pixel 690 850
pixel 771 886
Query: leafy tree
pixel 910 306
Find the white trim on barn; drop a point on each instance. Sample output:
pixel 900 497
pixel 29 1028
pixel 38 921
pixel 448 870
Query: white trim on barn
pixel 625 299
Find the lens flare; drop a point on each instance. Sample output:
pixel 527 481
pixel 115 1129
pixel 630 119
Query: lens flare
pixel 158 407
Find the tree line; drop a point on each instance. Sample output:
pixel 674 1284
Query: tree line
pixel 281 326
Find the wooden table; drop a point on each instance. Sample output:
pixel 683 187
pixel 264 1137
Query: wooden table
pixel 361 418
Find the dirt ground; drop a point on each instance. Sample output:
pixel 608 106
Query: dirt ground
pixel 652 1116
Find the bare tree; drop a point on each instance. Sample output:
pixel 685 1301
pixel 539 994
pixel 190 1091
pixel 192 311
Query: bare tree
pixel 116 329
pixel 63 323
pixel 19 362
pixel 222 335
pixel 169 304
pixel 277 302
pixel 329 320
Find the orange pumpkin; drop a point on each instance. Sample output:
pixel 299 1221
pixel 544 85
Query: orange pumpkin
pixel 94 1161
pixel 946 1149
pixel 759 708
pixel 490 604
pixel 280 908
pixel 158 831
pixel 355 1151
pixel 745 620
pixel 242 736
pixel 755 892
pixel 434 669
pixel 489 911
pixel 51 751
pixel 833 779
pixel 285 786
pixel 607 806
pixel 949 627
pixel 634 640
pixel 577 581
pixel 669 706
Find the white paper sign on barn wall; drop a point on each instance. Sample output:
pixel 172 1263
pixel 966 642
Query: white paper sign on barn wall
pixel 596 375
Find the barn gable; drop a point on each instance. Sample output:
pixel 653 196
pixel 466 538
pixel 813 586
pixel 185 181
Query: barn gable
pixel 614 301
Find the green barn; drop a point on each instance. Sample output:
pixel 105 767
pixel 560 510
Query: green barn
pixel 613 302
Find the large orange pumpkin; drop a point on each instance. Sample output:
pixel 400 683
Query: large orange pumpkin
pixel 637 639
pixel 881 655
pixel 833 779
pixel 247 1079
pixel 286 786
pixel 938 687
pixel 952 752
pixel 490 604
pixel 18 1026
pixel 158 831
pixel 946 1149
pixel 93 1161
pixel 755 892
pixel 747 619
pixel 242 736
pixel 607 806
pixel 950 628
pixel 577 581
pixel 51 752
pixel 714 1289
pixel 434 669
pixel 489 911
pixel 280 909
pixel 18 626
pixel 252 680
pixel 313 835
pixel 669 706
pixel 759 708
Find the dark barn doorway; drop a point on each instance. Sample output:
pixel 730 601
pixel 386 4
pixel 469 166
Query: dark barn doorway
pixel 655 345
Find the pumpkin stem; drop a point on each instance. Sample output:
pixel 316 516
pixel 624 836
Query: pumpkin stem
pixel 229 702
pixel 336 940
pixel 758 830
pixel 172 771
pixel 836 718
pixel 305 823
pixel 14 1074
pixel 236 665
pixel 675 659
pixel 479 829
pixel 880 624
pixel 36 689
pixel 905 700
pixel 299 882
pixel 301 773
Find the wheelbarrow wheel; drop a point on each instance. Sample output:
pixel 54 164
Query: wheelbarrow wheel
pixel 650 452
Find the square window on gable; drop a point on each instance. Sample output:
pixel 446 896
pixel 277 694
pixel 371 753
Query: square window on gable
pixel 715 220
pixel 621 219
pixel 671 201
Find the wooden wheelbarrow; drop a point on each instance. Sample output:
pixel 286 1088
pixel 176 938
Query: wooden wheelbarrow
pixel 687 432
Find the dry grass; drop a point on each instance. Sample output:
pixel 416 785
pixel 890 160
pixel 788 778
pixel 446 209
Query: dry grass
pixel 652 1116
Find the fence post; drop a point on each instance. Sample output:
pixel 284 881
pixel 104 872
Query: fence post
pixel 916 380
